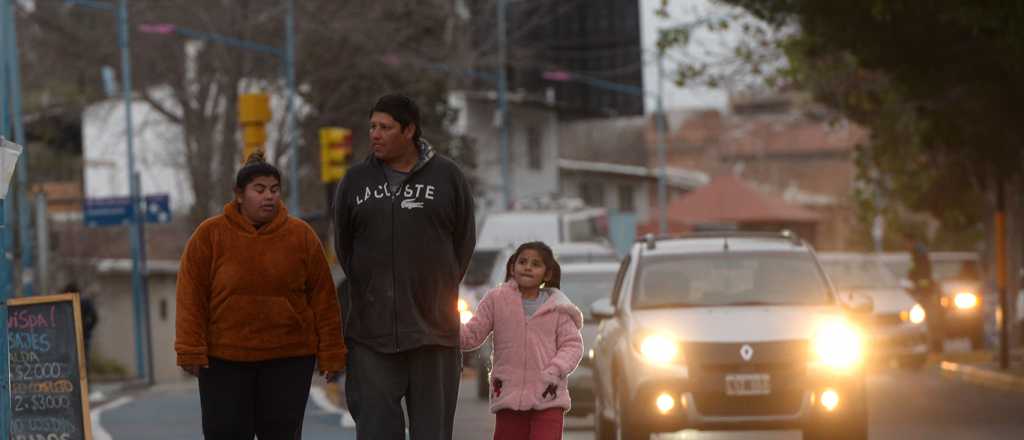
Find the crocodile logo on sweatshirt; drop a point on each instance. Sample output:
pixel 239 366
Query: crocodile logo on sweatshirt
pixel 411 204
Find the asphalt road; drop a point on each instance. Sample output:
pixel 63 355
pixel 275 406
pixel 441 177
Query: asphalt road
pixel 903 406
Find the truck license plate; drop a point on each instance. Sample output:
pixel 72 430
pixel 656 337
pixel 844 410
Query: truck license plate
pixel 747 384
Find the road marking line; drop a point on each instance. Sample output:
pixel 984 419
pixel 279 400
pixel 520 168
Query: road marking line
pixel 98 433
pixel 981 376
pixel 325 404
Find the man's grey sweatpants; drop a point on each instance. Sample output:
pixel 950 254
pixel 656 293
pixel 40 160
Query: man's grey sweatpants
pixel 428 379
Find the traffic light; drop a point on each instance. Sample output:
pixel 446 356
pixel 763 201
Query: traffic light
pixel 253 115
pixel 335 153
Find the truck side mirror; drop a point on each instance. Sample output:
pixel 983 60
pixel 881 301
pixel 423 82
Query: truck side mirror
pixel 602 309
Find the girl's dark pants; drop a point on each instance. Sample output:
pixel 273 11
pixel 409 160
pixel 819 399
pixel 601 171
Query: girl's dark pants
pixel 244 399
pixel 428 379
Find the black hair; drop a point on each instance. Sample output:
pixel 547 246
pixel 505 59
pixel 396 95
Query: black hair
pixel 71 287
pixel 546 254
pixel 255 166
pixel 402 109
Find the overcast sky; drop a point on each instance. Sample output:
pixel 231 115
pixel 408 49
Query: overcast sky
pixel 706 45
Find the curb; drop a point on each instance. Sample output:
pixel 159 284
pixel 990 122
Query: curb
pixel 982 376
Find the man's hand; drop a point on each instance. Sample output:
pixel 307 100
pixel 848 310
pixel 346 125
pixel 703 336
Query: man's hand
pixel 193 369
pixel 330 376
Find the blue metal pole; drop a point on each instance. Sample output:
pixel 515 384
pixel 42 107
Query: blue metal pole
pixel 293 145
pixel 506 180
pixel 24 217
pixel 5 264
pixel 5 390
pixel 660 128
pixel 133 188
pixel 7 235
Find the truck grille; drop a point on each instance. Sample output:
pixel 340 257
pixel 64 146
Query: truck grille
pixel 784 361
pixel 718 404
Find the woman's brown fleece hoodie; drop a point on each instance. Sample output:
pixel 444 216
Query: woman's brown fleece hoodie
pixel 247 294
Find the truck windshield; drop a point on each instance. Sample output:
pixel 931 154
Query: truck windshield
pixel 731 279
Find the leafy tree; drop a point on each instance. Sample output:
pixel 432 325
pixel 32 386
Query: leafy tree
pixel 936 82
pixel 345 54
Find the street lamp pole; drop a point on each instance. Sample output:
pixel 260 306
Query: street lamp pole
pixel 506 181
pixel 14 94
pixel 5 263
pixel 293 144
pixel 659 114
pixel 138 260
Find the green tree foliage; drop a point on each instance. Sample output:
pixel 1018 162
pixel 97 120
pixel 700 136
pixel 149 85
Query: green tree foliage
pixel 936 82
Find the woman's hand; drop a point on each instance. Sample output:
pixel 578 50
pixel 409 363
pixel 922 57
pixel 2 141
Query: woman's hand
pixel 193 369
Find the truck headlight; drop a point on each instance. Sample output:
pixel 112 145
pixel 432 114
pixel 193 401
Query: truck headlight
pixel 464 313
pixel 838 345
pixel 965 300
pixel 659 349
pixel 915 315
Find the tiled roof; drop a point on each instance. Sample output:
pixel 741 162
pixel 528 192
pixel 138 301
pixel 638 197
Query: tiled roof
pixel 730 199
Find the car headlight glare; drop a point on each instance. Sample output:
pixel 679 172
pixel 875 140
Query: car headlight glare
pixel 463 305
pixel 916 314
pixel 965 300
pixel 838 345
pixel 659 349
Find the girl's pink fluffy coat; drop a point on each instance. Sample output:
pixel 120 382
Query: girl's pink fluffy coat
pixel 529 354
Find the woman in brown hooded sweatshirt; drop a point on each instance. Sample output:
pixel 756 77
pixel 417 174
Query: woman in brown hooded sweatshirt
pixel 256 313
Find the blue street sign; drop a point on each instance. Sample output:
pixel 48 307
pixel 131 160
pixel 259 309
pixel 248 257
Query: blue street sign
pixel 117 211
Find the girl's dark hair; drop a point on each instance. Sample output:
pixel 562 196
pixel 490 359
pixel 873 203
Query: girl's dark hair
pixel 546 254
pixel 255 166
pixel 402 109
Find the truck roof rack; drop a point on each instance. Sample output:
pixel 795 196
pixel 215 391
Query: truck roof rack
pixel 651 239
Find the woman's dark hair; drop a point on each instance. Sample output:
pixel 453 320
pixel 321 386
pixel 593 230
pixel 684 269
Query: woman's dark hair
pixel 255 166
pixel 403 109
pixel 546 254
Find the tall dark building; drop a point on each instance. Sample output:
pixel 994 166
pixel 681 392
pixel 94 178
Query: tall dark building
pixel 598 39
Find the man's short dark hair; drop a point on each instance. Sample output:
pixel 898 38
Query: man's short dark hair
pixel 402 108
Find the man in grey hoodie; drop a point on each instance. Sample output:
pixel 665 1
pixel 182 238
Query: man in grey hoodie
pixel 404 234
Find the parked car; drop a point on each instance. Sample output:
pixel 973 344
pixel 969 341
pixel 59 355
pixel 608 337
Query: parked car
pixel 898 329
pixel 585 283
pixel 728 331
pixel 962 289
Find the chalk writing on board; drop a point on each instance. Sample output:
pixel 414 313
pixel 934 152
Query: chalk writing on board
pixel 45 378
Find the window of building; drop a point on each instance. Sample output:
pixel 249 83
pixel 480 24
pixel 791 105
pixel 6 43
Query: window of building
pixel 592 193
pixel 534 152
pixel 626 203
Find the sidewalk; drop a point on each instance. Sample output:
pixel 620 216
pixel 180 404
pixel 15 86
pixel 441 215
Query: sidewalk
pixel 103 392
pixel 982 368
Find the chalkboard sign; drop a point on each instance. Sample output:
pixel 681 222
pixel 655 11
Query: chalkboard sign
pixel 49 393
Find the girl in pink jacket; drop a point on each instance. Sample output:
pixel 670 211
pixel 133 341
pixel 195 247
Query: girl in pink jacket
pixel 537 343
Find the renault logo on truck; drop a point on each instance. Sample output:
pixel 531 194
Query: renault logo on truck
pixel 746 352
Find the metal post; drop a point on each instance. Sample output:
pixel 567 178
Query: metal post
pixel 42 242
pixel 293 144
pixel 506 181
pixel 145 323
pixel 6 209
pixel 24 208
pixel 5 392
pixel 1001 272
pixel 136 223
pixel 5 264
pixel 659 115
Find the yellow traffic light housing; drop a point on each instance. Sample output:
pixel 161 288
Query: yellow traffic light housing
pixel 335 153
pixel 253 115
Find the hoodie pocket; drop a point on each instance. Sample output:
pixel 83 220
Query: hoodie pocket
pixel 258 323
